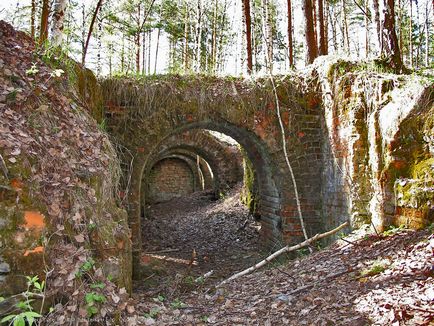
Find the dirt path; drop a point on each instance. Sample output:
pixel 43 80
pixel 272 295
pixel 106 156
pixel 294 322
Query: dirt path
pixel 193 235
pixel 371 280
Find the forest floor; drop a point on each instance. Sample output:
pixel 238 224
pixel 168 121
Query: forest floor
pixel 363 279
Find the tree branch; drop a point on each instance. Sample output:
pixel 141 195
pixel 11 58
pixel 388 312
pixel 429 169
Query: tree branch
pixel 281 251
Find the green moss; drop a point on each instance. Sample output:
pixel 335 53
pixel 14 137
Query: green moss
pixel 249 193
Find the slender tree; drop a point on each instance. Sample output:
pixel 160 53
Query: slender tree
pixel 310 43
pixel 410 36
pixel 390 40
pixel 248 23
pixel 290 42
pixel 89 33
pixel 376 9
pixel 322 34
pixel 57 22
pixel 33 19
pixel 43 30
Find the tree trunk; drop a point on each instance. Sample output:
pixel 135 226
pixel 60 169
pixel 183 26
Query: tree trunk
pixel 310 44
pixel 345 34
pixel 198 35
pixel 95 14
pixel 186 28
pixel 333 28
pixel 322 35
pixel 149 50
pixel 156 50
pixel 390 40
pixel 426 36
pixel 98 56
pixel 410 37
pixel 43 31
pixel 143 53
pixel 32 19
pixel 268 30
pixel 366 30
pixel 315 22
pixel 290 45
pixel 57 22
pixel 137 40
pixel 248 21
pixel 376 7
pixel 214 37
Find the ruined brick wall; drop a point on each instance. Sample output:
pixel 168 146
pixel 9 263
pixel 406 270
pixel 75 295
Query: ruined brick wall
pixel 378 149
pixel 170 178
pixel 341 123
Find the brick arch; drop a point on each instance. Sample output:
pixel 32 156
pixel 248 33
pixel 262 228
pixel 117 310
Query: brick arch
pixel 258 153
pixel 169 178
pixel 142 114
pixel 201 172
pixel 204 167
pixel 220 164
pixel 227 158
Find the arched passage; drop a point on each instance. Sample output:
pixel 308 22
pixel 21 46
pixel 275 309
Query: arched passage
pixel 143 114
pixel 257 152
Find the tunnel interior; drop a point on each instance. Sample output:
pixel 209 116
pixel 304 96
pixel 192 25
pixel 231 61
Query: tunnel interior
pixel 201 202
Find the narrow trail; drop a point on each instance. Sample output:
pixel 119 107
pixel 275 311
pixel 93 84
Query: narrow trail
pixel 187 237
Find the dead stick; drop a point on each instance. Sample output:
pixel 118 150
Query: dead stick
pixel 281 251
pixel 160 251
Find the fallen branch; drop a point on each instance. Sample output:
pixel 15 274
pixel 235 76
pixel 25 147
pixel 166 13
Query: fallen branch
pixel 160 251
pixel 281 251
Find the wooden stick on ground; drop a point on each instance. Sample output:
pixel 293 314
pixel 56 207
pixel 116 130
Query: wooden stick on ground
pixel 281 251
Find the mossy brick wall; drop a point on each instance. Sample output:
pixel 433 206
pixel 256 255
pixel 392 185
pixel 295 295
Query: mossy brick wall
pixel 170 178
pixel 378 131
pixel 342 124
pixel 145 116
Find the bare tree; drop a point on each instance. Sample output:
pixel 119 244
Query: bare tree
pixel 57 22
pixel 43 30
pixel 33 19
pixel 89 33
pixel 322 34
pixel 390 40
pixel 310 42
pixel 290 41
pixel 248 23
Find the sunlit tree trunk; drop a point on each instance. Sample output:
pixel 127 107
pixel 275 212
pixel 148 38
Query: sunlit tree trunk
pixel 427 35
pixel 149 50
pixel 322 34
pixel 334 30
pixel 186 29
pixel 248 22
pixel 315 23
pixel 214 37
pixel 43 30
pixel 366 29
pixel 390 40
pixel 220 49
pixel 86 45
pixel 198 35
pixel 310 43
pixel 377 22
pixel 137 39
pixel 143 53
pixel 98 56
pixel 345 36
pixel 57 22
pixel 268 35
pixel 410 37
pixel 157 46
pixel 33 19
pixel 290 42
